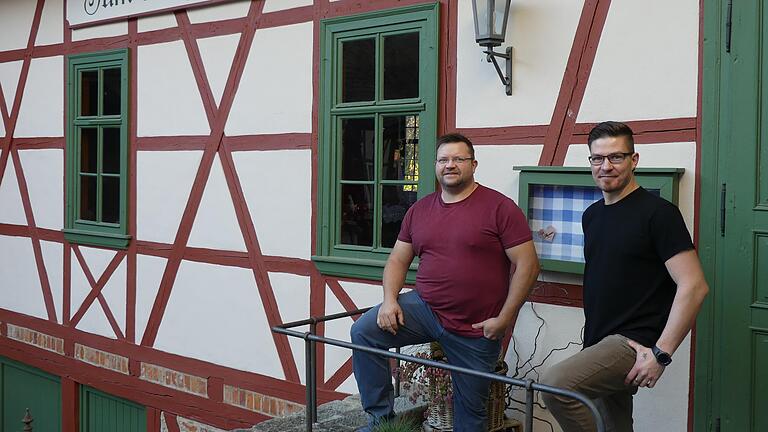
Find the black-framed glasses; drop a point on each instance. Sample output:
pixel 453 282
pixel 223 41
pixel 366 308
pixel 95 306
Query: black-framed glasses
pixel 456 160
pixel 614 158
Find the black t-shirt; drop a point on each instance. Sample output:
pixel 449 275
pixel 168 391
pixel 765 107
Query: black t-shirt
pixel 627 288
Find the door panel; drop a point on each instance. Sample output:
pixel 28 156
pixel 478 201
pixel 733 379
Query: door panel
pixel 744 256
pixel 24 387
pixel 103 412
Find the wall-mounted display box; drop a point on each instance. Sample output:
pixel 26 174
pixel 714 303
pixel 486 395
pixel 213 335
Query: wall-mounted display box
pixel 554 198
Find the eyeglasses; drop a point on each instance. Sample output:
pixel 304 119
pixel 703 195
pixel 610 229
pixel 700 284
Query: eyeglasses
pixel 613 158
pixel 456 160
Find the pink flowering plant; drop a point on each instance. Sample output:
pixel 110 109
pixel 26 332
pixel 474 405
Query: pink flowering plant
pixel 432 384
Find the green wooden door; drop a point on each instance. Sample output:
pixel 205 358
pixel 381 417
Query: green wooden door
pixel 102 412
pixel 743 265
pixel 23 387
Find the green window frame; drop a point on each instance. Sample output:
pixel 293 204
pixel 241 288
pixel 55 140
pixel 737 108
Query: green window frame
pixel 333 257
pixel 665 180
pixel 96 124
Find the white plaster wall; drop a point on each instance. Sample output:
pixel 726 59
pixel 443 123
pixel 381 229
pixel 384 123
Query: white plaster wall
pixel 53 257
pixel 292 296
pixel 149 272
pixel 16 22
pixel 42 107
pixel 276 5
pixel 156 22
pixel 217 54
pixel 9 79
pixel 275 94
pixel 168 99
pixel 666 155
pixel 496 162
pixel 20 289
pixel 223 323
pixel 100 31
pixel 216 225
pixel 51 23
pixel 646 64
pixel 97 259
pixel 337 329
pixel 363 294
pixel 159 202
pixel 221 11
pixel 541 33
pixel 44 172
pixel 114 293
pixel 11 207
pixel 277 187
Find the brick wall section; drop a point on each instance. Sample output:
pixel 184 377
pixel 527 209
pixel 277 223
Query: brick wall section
pixel 257 402
pixel 35 338
pixel 102 359
pixel 174 379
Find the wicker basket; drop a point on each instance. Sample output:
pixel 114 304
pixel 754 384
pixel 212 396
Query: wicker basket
pixel 440 413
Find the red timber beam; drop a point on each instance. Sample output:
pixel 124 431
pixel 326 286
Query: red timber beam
pixel 210 410
pixel 217 120
pixel 577 71
pixel 10 150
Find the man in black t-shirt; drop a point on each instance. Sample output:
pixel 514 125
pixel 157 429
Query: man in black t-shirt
pixel 643 286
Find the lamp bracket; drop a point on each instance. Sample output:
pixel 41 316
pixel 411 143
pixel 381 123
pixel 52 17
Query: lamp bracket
pixel 506 79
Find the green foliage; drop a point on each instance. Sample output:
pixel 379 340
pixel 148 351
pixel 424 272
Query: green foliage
pixel 399 424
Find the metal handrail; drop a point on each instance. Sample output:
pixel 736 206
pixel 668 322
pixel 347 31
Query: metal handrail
pixel 310 340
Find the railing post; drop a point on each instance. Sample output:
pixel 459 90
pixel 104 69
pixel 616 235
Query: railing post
pixel 308 369
pixel 27 420
pixel 528 405
pixel 313 369
pixel 397 375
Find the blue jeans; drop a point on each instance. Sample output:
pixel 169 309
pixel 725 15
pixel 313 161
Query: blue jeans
pixel 374 379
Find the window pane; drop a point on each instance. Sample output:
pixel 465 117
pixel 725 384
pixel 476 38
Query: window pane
pixel 88 150
pixel 110 199
pixel 111 151
pixel 89 93
pixel 401 66
pixel 395 201
pixel 357 148
pixel 401 148
pixel 358 81
pixel 356 215
pixel 111 99
pixel 88 197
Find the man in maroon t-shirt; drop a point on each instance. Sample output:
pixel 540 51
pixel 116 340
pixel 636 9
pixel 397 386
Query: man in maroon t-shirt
pixel 467 237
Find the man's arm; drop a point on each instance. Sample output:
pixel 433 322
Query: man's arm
pixel 523 257
pixel 686 271
pixel 390 315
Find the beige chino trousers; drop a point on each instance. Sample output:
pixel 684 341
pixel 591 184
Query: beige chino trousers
pixel 598 372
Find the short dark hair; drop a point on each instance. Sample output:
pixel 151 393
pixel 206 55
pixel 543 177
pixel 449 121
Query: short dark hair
pixel 612 129
pixel 454 138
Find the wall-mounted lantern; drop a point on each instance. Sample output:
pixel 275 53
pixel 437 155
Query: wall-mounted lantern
pixel 490 27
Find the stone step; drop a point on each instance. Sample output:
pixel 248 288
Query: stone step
pixel 338 416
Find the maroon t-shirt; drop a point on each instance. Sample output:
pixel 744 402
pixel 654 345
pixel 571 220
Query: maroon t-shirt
pixel 464 271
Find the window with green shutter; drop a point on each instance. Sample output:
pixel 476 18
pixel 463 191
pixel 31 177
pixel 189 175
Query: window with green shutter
pixel 97 149
pixel 378 125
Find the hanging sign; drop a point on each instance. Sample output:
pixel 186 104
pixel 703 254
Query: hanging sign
pixel 81 12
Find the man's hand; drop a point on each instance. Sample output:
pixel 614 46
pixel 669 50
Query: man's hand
pixel 390 316
pixel 493 328
pixel 646 371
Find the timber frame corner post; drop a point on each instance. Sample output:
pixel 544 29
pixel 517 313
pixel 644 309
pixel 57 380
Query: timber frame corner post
pixel 103 169
pixel 365 259
pixel 576 185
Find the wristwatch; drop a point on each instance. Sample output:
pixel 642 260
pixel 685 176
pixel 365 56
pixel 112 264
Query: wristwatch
pixel 662 357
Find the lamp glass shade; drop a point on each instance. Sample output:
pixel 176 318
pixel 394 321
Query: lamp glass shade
pixel 490 21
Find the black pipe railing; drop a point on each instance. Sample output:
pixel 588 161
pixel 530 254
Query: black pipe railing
pixel 311 338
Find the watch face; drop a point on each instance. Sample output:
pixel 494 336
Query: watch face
pixel 664 358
